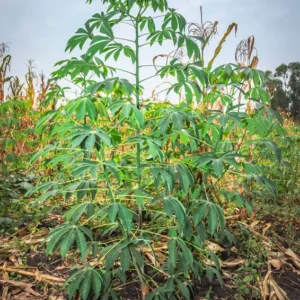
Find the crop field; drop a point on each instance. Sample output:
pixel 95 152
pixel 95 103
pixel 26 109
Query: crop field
pixel 192 192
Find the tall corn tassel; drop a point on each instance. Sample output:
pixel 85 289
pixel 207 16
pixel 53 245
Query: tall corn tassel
pixel 30 92
pixel 219 48
pixel 3 79
pixel 16 88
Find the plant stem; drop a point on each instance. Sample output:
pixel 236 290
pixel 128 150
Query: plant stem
pixel 138 152
pixel 122 39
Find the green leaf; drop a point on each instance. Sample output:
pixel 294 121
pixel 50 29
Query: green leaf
pixel 54 238
pixel 184 290
pixel 125 259
pixel 66 243
pixel 177 120
pixel 172 204
pixel 74 285
pixel 218 166
pixel 76 212
pixel 82 35
pixel 91 109
pixel 85 286
pixel 200 213
pixel 125 216
pixel 215 259
pixel 138 257
pixel 212 219
pixel 140 196
pixel 111 257
pixel 97 284
pixel 90 142
pixel 112 211
pixel 185 177
pixel 186 252
pixel 172 252
pixel 80 241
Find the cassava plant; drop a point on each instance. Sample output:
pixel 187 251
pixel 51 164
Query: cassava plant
pixel 144 181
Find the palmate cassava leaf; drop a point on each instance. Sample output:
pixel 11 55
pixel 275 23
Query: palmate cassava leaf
pixel 82 35
pixel 239 199
pixel 270 145
pixel 174 205
pixel 82 107
pixel 76 212
pixel 160 36
pixel 183 289
pixel 217 163
pixel 98 44
pixel 87 280
pixel 115 49
pixel 186 252
pixel 64 236
pixel 109 85
pixel 41 153
pixel 81 188
pixel 75 68
pixel 150 24
pixel 174 19
pixel 82 167
pixel 113 252
pixel 101 22
pixel 213 213
pixel 88 138
pixel 125 216
pixel 185 177
pixel 161 175
pixel 112 211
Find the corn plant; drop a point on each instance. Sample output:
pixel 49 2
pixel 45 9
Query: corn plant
pixel 145 180
pixel 5 60
pixel 16 87
pixel 30 76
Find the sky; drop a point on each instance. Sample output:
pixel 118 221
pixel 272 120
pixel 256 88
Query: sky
pixel 40 29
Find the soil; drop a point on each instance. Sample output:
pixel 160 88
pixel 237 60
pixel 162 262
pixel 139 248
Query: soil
pixel 286 279
pixel 289 282
pixel 204 288
pixel 45 264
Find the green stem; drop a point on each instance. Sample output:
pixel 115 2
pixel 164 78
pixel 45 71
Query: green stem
pixel 111 194
pixel 122 39
pixel 138 152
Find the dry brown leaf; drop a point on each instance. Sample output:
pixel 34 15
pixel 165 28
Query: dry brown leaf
pixel 276 263
pixel 24 286
pixel 38 276
pixel 265 229
pixel 254 224
pixel 6 288
pixel 145 290
pixel 232 264
pixel 280 293
pixel 265 286
pixel 273 296
pixel 44 278
pixel 293 256
pixel 214 247
pixel 290 267
pixel 263 296
pixel 152 259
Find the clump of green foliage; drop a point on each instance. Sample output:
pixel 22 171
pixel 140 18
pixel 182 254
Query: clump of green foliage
pixel 283 86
